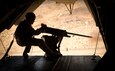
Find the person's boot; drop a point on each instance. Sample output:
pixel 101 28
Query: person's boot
pixel 52 56
pixel 25 55
pixel 27 50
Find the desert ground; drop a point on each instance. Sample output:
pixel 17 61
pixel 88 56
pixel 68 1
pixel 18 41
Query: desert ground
pixel 56 15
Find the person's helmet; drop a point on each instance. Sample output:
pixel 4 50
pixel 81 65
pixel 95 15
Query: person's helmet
pixel 30 16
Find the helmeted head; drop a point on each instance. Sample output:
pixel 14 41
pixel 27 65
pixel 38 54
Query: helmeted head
pixel 30 16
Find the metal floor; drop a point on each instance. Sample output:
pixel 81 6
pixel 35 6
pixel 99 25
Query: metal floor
pixel 39 63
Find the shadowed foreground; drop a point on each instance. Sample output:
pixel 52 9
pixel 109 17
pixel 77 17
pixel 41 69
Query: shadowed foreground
pixel 39 63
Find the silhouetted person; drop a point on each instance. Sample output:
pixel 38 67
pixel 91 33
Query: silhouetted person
pixel 24 35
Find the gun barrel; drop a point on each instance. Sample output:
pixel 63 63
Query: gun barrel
pixel 79 35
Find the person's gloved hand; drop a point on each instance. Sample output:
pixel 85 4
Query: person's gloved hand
pixel 43 27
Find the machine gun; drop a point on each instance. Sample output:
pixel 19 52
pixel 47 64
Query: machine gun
pixel 55 39
pixel 60 32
